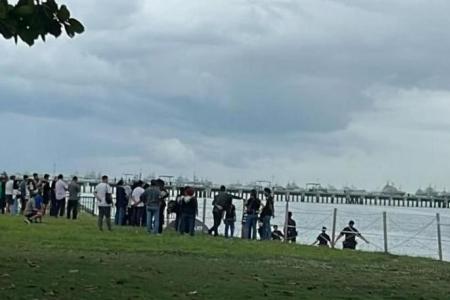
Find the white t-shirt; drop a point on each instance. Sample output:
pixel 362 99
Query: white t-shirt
pixel 136 196
pixel 100 190
pixel 9 187
pixel 60 189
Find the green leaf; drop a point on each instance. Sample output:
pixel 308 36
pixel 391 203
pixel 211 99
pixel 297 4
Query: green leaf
pixel 24 10
pixel 4 30
pixel 54 28
pixel 76 26
pixel 3 10
pixel 51 6
pixel 63 14
pixel 27 36
pixel 69 30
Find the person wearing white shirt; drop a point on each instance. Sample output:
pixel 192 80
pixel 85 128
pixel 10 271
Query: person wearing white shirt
pixel 137 206
pixel 103 192
pixel 9 195
pixel 60 196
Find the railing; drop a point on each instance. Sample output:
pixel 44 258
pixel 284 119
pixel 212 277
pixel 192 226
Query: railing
pixel 390 232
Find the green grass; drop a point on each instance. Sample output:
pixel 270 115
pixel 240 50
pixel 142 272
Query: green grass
pixel 61 259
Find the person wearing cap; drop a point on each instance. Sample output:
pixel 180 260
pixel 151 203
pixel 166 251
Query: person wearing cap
pixel 350 233
pixel 323 239
pixel 189 209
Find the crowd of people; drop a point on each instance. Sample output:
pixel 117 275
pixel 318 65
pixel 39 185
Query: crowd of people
pixel 144 204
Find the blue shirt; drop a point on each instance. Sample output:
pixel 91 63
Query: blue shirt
pixel 38 200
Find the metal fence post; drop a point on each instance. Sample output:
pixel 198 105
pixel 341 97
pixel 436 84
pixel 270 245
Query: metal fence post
pixel 333 232
pixel 93 206
pixel 385 232
pixel 286 218
pixel 208 192
pixel 438 220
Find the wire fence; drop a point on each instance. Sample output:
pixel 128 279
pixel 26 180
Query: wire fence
pixel 395 231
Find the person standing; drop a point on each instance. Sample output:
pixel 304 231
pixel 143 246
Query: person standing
pixel 74 197
pixel 152 196
pixel 9 195
pixel 163 197
pixel 137 204
pixel 267 213
pixel 323 239
pixel 291 229
pixel 3 179
pixel 53 211
pixel 121 204
pixel 189 210
pixel 252 209
pixel 60 196
pixel 350 233
pixel 24 193
pixel 103 194
pixel 177 208
pixel 221 203
pixel 230 220
pixel 46 192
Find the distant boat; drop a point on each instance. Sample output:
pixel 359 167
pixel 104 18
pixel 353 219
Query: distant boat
pixel 391 190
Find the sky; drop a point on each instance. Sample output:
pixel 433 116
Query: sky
pixel 344 93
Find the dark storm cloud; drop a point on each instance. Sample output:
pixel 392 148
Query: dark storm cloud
pixel 227 84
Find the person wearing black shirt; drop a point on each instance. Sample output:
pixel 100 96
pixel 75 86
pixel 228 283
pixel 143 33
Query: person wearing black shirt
pixel 277 235
pixel 252 209
pixel 267 213
pixel 230 219
pixel 221 203
pixel 291 229
pixel 189 209
pixel 121 204
pixel 46 192
pixel 323 239
pixel 350 233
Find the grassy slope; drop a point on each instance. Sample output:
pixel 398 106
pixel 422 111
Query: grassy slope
pixel 60 259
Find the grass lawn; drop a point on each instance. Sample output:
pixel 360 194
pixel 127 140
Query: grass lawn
pixel 61 259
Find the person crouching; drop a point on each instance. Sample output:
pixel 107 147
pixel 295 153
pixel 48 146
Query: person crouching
pixel 33 209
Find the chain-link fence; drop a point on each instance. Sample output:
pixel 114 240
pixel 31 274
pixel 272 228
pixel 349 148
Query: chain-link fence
pixel 396 231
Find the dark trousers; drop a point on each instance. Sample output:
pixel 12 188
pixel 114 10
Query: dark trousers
pixel 137 214
pixel 60 207
pixel 72 207
pixel 104 212
pixel 53 207
pixel 23 204
pixel 217 214
pixel 161 221
pixel 187 224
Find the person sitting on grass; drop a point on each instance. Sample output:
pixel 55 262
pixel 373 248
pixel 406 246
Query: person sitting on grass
pixel 277 235
pixel 350 233
pixel 33 209
pixel 323 239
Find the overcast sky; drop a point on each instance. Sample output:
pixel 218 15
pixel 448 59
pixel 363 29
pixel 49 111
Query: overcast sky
pixel 349 92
